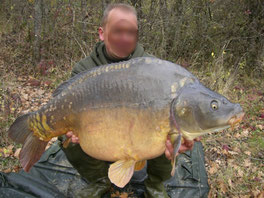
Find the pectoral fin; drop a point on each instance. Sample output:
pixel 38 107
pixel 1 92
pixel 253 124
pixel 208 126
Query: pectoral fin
pixel 121 172
pixel 176 145
pixel 140 165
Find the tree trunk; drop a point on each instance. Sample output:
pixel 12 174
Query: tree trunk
pixel 37 29
pixel 138 6
pixel 164 26
pixel 84 24
pixel 104 5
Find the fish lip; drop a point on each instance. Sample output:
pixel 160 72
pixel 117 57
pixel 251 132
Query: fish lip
pixel 191 136
pixel 236 119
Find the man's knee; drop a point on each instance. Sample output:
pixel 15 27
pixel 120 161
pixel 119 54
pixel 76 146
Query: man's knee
pixel 87 166
pixel 160 167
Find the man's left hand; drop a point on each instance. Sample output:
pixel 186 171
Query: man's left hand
pixel 187 145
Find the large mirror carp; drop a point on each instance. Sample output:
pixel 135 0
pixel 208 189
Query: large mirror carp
pixel 123 113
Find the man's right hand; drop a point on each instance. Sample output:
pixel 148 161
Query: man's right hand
pixel 74 138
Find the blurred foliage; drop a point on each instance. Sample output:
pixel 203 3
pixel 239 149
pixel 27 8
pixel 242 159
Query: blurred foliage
pixel 197 33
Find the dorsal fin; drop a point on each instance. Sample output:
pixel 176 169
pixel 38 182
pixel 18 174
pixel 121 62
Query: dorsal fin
pixel 60 88
pixel 66 84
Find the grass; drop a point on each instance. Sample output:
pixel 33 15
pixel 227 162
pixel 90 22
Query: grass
pixel 240 152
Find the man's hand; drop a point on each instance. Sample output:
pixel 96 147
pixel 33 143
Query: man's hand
pixel 187 145
pixel 74 139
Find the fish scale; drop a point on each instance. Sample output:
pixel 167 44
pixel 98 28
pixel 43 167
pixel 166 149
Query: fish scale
pixel 124 112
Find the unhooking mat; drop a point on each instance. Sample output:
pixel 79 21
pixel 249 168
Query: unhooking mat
pixel 53 176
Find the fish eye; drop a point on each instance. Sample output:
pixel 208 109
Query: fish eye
pixel 214 105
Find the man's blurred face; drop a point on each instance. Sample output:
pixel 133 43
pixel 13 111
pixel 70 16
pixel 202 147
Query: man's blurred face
pixel 120 33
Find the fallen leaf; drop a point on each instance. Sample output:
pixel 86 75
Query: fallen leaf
pixel 124 195
pixel 230 161
pixel 240 173
pixel 261 127
pixel 245 196
pixel 34 82
pixel 226 147
pixel 260 174
pixel 223 187
pixel 115 194
pixel 47 83
pixel 40 92
pixel 7 170
pixel 247 152
pixel 213 168
pixel 230 183
pixel 8 151
pixel 260 195
pixel 16 155
pixel 245 133
pixel 247 163
pixel 254 169
pixel 252 97
pixel 236 149
pixel 237 135
pixel 233 152
pixel 257 179
pixel 24 95
pixel 236 167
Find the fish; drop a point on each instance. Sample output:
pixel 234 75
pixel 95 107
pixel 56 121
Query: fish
pixel 124 112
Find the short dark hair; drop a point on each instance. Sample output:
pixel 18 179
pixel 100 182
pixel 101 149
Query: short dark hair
pixel 121 6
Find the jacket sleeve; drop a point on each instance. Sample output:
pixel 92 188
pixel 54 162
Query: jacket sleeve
pixel 84 65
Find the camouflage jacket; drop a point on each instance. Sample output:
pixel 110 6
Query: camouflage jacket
pixel 99 57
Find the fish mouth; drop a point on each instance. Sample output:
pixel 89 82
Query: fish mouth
pixel 231 122
pixel 192 135
pixel 236 119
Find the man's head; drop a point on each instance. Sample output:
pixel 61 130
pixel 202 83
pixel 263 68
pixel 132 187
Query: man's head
pixel 119 30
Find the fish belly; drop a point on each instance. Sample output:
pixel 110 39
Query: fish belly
pixel 111 134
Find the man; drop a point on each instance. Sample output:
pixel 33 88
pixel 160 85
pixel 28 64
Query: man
pixel 119 42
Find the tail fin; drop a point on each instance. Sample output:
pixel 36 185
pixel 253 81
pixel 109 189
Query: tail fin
pixel 31 151
pixel 19 131
pixel 32 148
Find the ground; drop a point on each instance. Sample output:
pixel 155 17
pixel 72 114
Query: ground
pixel 234 158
